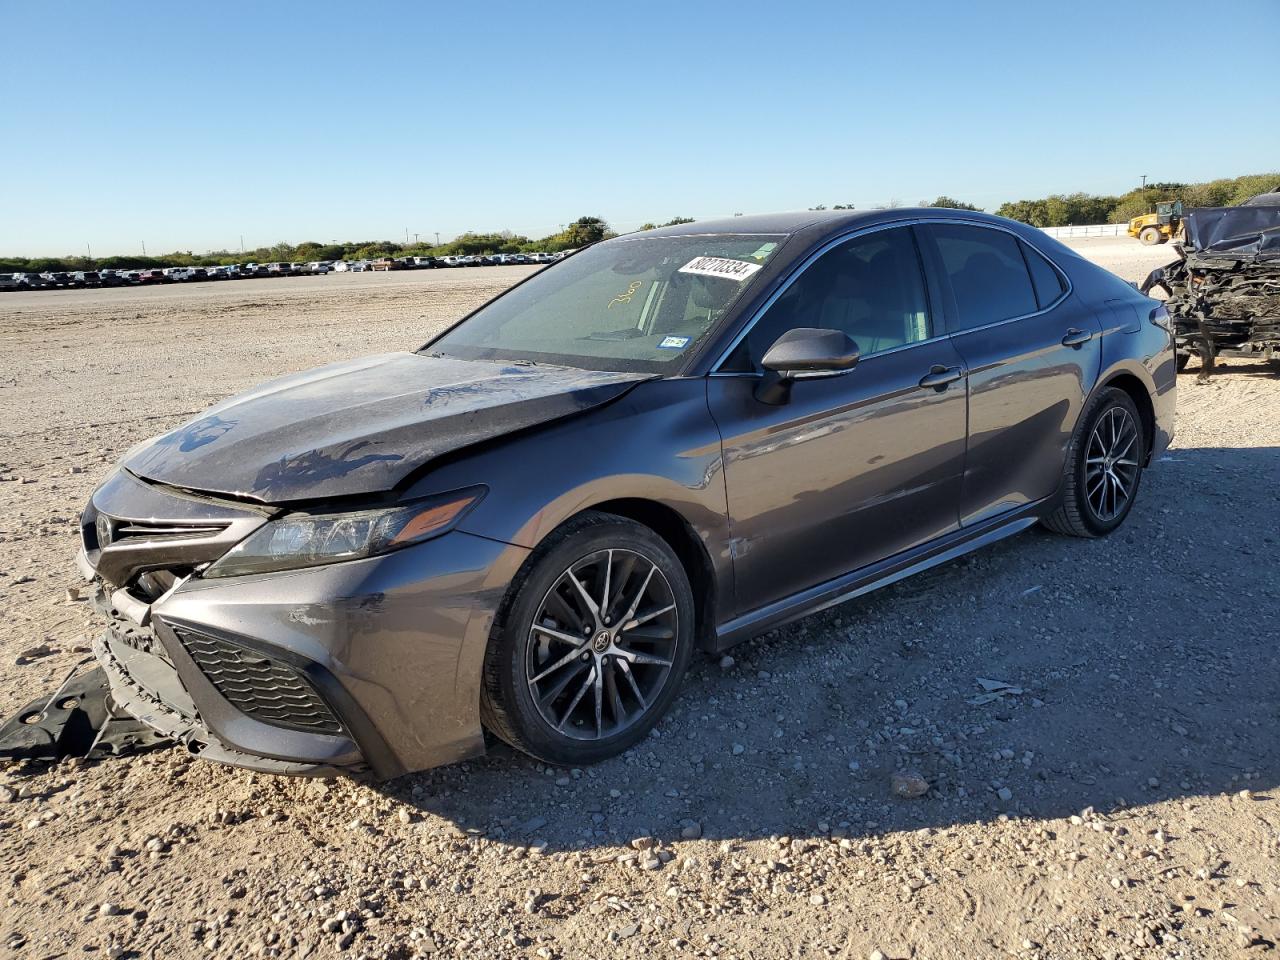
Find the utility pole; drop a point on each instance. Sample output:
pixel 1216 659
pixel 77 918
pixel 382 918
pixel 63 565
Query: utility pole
pixel 406 236
pixel 437 233
pixel 242 244
pixel 144 248
pixel 415 239
pixel 88 249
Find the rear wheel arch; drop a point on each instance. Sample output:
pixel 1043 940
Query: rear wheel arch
pixel 1141 398
pixel 1081 508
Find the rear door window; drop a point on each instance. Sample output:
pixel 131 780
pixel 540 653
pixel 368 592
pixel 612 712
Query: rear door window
pixel 986 271
pixel 1044 277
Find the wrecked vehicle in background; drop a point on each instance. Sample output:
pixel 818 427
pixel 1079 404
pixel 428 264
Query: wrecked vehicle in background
pixel 1224 292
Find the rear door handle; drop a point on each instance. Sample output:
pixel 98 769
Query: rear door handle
pixel 939 377
pixel 1075 337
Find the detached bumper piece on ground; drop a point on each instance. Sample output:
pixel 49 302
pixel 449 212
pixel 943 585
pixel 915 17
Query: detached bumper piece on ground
pixel 1224 294
pixel 78 719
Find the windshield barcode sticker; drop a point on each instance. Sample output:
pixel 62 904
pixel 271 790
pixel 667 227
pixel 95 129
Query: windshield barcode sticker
pixel 721 267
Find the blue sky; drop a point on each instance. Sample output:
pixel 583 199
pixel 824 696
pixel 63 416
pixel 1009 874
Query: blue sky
pixel 187 129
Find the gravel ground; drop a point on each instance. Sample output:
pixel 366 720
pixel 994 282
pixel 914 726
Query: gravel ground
pixel 1116 799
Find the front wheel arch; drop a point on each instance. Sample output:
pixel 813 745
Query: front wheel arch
pixel 680 536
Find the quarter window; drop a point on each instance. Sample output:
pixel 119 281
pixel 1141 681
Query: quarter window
pixel 1044 278
pixel 871 287
pixel 989 279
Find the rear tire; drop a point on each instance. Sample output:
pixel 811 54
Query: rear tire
pixel 1103 468
pixel 570 678
pixel 1149 236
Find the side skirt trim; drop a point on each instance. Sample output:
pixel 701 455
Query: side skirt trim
pixel 878 575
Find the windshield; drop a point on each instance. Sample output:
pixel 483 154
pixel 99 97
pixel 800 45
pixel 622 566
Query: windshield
pixel 634 303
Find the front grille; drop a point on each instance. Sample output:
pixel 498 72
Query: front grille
pixel 107 531
pixel 260 686
pixel 163 531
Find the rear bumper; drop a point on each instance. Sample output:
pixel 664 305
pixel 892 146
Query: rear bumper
pixel 1164 400
pixel 370 666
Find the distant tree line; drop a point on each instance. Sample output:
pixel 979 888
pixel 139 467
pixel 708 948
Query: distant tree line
pixel 1058 210
pixel 674 222
pixel 894 204
pixel 582 231
pixel 948 202
pixel 1075 209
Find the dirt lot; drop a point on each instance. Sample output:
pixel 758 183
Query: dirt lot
pixel 1123 804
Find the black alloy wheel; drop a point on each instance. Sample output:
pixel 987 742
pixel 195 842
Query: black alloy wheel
pixel 1103 467
pixel 591 648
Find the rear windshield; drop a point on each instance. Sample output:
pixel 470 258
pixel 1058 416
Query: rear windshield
pixel 634 303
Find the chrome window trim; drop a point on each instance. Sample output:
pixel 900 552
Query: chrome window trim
pixel 875 228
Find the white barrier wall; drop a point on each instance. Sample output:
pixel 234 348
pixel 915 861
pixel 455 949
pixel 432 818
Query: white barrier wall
pixel 1091 230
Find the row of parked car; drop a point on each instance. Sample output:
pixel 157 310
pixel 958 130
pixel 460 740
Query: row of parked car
pixel 73 279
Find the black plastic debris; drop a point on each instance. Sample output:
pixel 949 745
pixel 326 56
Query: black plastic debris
pixel 77 720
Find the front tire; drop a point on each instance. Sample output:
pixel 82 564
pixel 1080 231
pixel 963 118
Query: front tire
pixel 1149 236
pixel 1103 469
pixel 590 647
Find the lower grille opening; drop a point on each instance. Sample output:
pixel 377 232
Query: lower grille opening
pixel 258 685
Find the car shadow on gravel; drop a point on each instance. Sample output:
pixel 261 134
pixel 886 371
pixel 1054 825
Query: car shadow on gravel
pixel 1138 668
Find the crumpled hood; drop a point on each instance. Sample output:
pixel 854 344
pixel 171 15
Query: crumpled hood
pixel 363 425
pixel 1245 232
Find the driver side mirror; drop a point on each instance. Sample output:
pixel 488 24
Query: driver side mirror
pixel 805 353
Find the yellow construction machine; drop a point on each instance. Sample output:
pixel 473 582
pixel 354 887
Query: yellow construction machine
pixel 1159 227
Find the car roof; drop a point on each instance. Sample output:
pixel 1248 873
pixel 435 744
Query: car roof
pixel 815 223
pixel 1263 200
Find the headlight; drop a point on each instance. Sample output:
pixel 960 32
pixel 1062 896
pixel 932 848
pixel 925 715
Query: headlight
pixel 310 540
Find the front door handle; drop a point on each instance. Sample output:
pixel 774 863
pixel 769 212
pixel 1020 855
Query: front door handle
pixel 939 377
pixel 1076 338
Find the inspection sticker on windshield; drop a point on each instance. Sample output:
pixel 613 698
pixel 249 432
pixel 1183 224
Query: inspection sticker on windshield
pixel 673 343
pixel 721 267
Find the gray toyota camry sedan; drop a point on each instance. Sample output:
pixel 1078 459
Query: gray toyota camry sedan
pixel 667 442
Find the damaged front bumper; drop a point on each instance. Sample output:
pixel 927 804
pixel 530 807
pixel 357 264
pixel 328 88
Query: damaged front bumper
pixel 365 667
pixel 146 684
